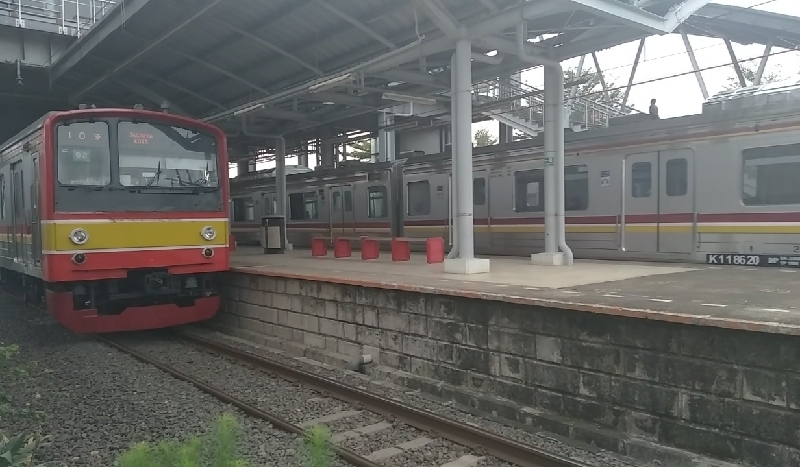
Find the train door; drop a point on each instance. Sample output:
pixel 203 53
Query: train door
pixel 18 220
pixel 659 202
pixel 480 201
pixel 640 221
pixel 676 201
pixel 36 237
pixel 342 219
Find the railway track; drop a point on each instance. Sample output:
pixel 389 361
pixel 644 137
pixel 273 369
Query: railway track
pixel 385 414
pixel 479 447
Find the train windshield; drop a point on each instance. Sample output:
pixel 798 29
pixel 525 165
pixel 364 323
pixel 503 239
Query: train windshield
pixel 84 154
pixel 154 155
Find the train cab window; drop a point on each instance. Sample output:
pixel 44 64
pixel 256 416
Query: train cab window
pixel 576 188
pixel 677 177
pixel 348 201
pixel 243 210
pixel 378 202
pixel 641 180
pixel 303 206
pixel 2 197
pixel 84 154
pixel 419 198
pixel 769 175
pixel 336 201
pixel 479 191
pixel 529 191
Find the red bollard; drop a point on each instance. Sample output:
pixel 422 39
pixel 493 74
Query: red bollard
pixel 319 247
pixel 341 248
pixel 435 250
pixel 401 249
pixel 370 248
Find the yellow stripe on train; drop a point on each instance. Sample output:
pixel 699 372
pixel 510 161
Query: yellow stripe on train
pixel 109 234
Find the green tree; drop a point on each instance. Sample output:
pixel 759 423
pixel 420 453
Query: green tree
pixel 749 73
pixel 592 88
pixel 484 138
pixel 361 150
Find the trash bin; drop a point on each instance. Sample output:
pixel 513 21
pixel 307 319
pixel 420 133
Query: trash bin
pixel 273 234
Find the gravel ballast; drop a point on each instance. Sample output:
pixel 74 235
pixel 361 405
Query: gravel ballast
pixel 97 402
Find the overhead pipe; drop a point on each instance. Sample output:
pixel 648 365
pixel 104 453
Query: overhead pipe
pixel 280 169
pixel 553 147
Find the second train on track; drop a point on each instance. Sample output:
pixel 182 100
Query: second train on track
pixel 721 186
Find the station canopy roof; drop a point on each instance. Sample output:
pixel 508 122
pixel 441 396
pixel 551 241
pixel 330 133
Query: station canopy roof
pixel 291 66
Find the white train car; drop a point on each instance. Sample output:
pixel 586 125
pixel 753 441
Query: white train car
pixel 722 186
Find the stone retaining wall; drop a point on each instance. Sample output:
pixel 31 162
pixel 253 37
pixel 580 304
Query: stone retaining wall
pixel 633 386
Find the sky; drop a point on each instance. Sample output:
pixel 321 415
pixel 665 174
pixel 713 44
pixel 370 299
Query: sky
pixel 665 56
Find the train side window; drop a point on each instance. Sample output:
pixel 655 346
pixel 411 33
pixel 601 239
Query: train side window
pixel 576 188
pixel 378 202
pixel 2 197
pixel 677 177
pixel 641 180
pixel 243 210
pixel 310 200
pixel 348 201
pixel 529 191
pixel 479 191
pixel 297 207
pixel 336 201
pixel 419 198
pixel 769 175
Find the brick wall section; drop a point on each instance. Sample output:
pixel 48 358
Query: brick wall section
pixel 627 385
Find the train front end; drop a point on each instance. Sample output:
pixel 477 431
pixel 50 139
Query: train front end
pixel 134 219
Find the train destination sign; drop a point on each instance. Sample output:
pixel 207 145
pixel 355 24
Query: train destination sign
pixel 774 261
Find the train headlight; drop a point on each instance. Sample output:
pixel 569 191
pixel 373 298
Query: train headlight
pixel 79 236
pixel 208 233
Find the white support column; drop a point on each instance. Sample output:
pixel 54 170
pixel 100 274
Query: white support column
pixel 700 81
pixel 552 110
pixel 763 64
pixel 386 138
pixel 465 262
pixel 558 96
pixel 633 73
pixel 280 181
pixel 453 157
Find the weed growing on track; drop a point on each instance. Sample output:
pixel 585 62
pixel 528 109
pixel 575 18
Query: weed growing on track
pixel 15 450
pixel 219 449
pixel 216 449
pixel 316 450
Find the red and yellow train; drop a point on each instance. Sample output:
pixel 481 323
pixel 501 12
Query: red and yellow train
pixel 116 218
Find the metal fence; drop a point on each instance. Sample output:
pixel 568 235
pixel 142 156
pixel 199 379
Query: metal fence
pixel 68 17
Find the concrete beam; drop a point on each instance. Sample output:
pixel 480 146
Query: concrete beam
pixel 440 17
pixel 641 19
pixel 115 19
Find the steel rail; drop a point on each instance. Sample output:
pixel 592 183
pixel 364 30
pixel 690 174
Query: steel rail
pixel 280 423
pixel 484 442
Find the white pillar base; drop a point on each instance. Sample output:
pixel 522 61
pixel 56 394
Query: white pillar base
pixel 548 259
pixel 466 266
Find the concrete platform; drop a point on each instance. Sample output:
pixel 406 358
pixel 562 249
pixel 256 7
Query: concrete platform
pixel 756 299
